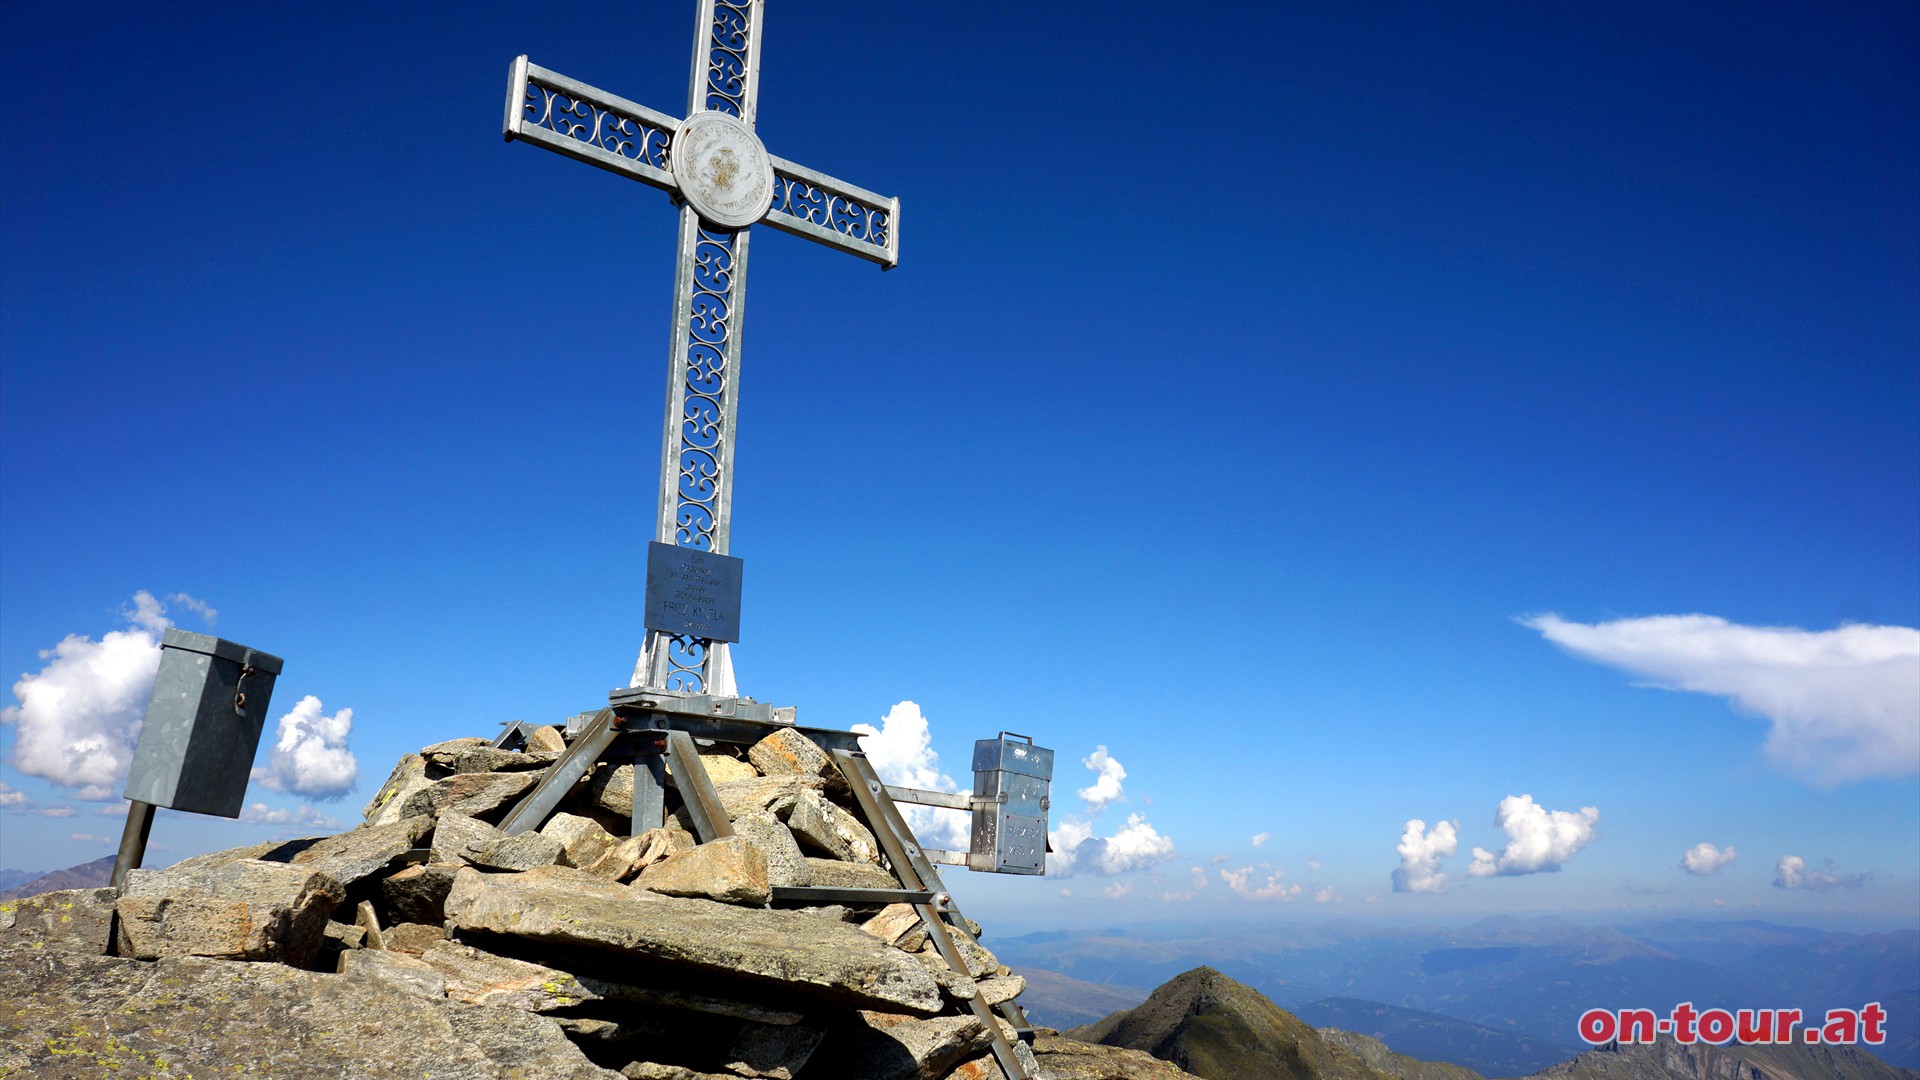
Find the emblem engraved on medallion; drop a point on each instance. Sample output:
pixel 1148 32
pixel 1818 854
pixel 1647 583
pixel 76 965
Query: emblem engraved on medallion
pixel 723 171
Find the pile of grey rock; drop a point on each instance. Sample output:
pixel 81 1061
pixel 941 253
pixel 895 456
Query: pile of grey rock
pixel 426 942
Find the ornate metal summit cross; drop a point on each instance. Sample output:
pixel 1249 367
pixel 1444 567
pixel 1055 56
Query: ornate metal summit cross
pixel 724 181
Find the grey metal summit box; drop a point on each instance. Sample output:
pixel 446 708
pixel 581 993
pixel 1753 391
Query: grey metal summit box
pixel 203 724
pixel 1011 780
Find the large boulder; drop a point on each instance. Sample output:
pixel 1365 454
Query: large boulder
pixel 407 778
pixel 888 1046
pixel 582 840
pixel 68 1015
pixel 74 920
pixel 772 793
pixel 831 830
pixel 244 910
pixel 418 894
pixel 786 950
pixel 785 864
pixel 731 869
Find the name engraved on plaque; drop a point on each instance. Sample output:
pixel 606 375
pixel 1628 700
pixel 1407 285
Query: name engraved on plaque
pixel 693 592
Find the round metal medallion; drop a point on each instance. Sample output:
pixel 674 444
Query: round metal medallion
pixel 723 171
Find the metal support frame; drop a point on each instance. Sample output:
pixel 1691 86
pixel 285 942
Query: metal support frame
pixel 664 728
pixel 827 894
pixel 649 782
pixel 533 808
pixel 916 873
pixel 709 816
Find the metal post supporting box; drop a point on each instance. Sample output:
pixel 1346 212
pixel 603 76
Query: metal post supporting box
pixel 203 724
pixel 1011 780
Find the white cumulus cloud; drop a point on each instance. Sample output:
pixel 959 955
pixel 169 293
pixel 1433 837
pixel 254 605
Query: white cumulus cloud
pixel 1106 784
pixel 1325 896
pixel 1076 850
pixel 1705 860
pixel 1420 853
pixel 310 755
pixel 902 754
pixel 78 717
pixel 1538 839
pixel 1792 873
pixel 1240 883
pixel 199 607
pixel 1261 838
pixel 1841 703
pixel 11 796
pixel 262 814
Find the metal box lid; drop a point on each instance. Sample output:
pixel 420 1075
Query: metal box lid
pixel 1007 755
pixel 208 645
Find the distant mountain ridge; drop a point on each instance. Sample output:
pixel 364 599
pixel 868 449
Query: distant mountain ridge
pixel 1219 1029
pixel 1668 1060
pixel 1213 1027
pixel 1527 977
pixel 11 878
pixel 87 875
pixel 1431 1036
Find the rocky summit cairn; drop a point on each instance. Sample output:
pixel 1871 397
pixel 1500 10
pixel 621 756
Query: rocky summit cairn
pixel 427 942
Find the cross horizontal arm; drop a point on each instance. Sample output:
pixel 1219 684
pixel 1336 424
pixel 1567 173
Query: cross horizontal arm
pixel 588 124
pixel 835 213
pixel 607 131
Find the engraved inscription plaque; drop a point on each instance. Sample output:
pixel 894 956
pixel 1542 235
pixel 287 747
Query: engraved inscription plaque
pixel 723 171
pixel 693 592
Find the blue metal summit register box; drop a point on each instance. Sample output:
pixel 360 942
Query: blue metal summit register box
pixel 203 724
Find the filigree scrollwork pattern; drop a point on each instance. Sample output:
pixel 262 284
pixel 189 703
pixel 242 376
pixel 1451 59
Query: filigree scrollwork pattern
pixel 576 118
pixel 686 663
pixel 850 217
pixel 729 39
pixel 703 412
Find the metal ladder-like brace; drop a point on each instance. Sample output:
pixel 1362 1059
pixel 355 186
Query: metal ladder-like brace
pixel 917 873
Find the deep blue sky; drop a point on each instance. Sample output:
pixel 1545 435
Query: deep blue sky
pixel 1248 371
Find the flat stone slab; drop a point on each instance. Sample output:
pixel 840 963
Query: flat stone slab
pixel 357 853
pixel 397 971
pixel 1070 1059
pixel 69 1015
pixel 563 906
pixel 472 794
pixel 481 978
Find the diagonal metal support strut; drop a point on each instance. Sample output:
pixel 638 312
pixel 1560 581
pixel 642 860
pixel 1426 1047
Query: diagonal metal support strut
pixel 915 872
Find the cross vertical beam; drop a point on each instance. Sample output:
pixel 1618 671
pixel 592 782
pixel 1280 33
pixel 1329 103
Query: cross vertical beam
pixel 724 182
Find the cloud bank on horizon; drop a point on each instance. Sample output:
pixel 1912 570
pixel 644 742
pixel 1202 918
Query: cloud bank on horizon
pixel 1841 703
pixel 1792 873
